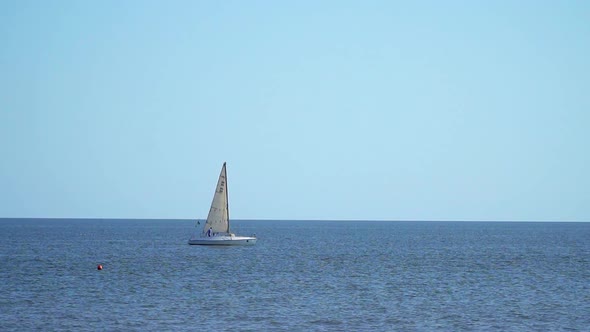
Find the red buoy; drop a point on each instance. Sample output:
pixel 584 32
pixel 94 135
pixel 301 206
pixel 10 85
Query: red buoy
pixel 99 267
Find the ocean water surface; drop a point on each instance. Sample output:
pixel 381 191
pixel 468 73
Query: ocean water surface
pixel 300 276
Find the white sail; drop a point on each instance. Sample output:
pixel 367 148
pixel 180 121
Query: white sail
pixel 218 218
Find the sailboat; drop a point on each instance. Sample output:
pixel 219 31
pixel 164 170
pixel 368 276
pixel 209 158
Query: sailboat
pixel 216 229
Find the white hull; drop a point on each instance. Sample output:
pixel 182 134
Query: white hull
pixel 224 241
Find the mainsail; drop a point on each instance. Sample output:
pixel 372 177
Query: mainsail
pixel 218 218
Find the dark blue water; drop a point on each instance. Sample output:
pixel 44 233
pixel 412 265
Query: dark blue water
pixel 301 276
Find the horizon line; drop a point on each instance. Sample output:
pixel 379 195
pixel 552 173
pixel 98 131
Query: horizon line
pixel 304 220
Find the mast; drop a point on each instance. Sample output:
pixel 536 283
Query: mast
pixel 226 196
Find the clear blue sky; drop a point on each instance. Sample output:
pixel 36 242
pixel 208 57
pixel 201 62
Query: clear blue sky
pixel 426 110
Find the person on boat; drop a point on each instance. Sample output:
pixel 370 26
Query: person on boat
pixel 210 232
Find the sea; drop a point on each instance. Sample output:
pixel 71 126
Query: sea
pixel 300 276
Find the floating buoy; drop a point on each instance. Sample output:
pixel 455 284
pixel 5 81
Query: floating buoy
pixel 99 267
